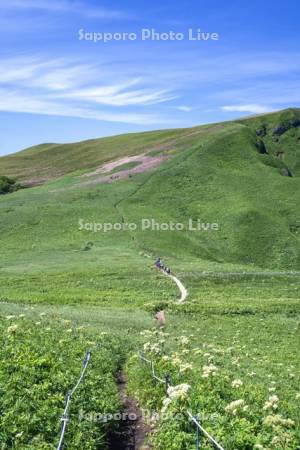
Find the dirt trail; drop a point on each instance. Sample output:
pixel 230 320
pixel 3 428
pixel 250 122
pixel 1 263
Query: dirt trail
pixel 183 290
pixel 132 431
pixel 181 287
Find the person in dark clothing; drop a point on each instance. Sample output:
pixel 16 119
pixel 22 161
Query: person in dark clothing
pixel 158 263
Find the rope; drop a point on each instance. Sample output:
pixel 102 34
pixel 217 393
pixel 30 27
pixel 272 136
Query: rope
pixel 191 417
pixel 212 440
pixel 65 417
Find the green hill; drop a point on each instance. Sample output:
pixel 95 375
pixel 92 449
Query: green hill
pixel 68 284
pixel 44 162
pixel 218 174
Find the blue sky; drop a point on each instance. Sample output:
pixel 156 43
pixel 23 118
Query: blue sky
pixel 55 87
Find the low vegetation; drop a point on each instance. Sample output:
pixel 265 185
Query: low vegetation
pixel 38 369
pixel 226 372
pixel 7 185
pixel 232 347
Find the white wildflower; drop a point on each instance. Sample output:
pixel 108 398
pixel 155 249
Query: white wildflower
pixel 271 403
pixel 176 360
pixel 184 340
pixel 277 420
pixel 185 367
pixel 209 370
pixel 235 407
pixel 237 383
pixel 12 328
pixel 147 346
pixel 166 403
pixel 197 351
pixel 155 349
pixel 180 391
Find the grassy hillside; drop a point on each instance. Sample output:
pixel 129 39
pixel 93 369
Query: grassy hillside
pixel 219 176
pixel 64 287
pixel 47 161
pixel 224 180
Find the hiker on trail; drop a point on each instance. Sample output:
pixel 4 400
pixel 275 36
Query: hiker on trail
pixel 158 263
pixel 160 317
pixel 168 270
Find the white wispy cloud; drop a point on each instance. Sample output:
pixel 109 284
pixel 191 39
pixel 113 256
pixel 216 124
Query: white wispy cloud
pixel 185 108
pixel 250 108
pixel 118 95
pixel 57 87
pixel 64 6
pixel 15 101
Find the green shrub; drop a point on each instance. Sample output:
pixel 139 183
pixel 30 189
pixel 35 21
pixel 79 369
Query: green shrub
pixel 8 185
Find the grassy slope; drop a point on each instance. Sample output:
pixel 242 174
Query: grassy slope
pixel 224 180
pixel 219 176
pixel 40 361
pixel 54 160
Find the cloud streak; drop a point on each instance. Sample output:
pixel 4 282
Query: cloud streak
pixel 17 102
pixel 250 108
pixel 64 6
pixel 56 87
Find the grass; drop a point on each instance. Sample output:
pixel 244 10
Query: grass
pixel 224 359
pixel 42 349
pixel 55 160
pixel 38 370
pixel 242 279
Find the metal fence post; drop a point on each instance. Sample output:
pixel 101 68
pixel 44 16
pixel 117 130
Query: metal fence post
pixel 168 380
pixel 198 444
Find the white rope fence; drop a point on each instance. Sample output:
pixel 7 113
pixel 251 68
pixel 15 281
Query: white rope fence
pixel 65 417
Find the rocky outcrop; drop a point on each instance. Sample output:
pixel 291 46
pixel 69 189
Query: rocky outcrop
pixel 261 132
pixel 279 130
pixel 294 123
pixel 286 172
pixel 283 127
pixel 260 145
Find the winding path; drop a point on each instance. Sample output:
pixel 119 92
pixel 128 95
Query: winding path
pixel 183 290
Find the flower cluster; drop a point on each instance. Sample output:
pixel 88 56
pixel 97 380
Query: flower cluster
pixel 178 392
pixel 184 340
pixel 236 407
pixel 185 367
pixel 152 348
pixel 209 371
pixel 237 383
pixel 276 420
pixel 271 403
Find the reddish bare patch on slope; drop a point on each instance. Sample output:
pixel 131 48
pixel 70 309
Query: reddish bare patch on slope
pixel 146 163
